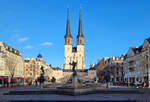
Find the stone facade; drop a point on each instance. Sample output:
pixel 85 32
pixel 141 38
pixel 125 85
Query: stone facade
pixel 110 69
pixel 11 63
pixel 57 73
pixel 136 64
pixel 32 68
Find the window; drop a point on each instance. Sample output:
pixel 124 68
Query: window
pixel 80 41
pixel 68 41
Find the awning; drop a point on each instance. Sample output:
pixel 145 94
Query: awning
pixel 14 78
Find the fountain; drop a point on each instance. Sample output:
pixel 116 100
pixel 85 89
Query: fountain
pixel 74 87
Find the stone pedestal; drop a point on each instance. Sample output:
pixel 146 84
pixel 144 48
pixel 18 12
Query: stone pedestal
pixel 74 81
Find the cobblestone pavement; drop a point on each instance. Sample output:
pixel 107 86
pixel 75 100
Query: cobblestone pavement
pixel 19 88
pixel 94 97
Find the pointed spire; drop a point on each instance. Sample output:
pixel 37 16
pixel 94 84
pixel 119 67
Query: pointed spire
pixel 80 25
pixel 68 25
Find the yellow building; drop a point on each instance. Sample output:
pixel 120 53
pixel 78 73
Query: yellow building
pixel 32 68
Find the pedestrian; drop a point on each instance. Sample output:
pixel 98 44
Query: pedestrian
pixel 144 84
pixel 4 82
pixel 7 83
pixel 30 83
pixel 35 82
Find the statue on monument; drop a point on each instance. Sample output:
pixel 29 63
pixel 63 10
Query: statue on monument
pixel 74 64
pixel 41 79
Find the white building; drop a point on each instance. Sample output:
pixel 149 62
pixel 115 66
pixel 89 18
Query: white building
pixel 11 63
pixel 136 64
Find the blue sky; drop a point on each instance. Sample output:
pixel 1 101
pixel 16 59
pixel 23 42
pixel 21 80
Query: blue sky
pixel 110 27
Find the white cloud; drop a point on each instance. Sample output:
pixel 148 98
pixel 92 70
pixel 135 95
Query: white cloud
pixel 46 44
pixel 28 47
pixel 23 39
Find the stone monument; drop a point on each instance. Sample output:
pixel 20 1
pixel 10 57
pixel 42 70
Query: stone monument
pixel 74 75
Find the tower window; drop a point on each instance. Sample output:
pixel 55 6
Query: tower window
pixel 80 41
pixel 68 41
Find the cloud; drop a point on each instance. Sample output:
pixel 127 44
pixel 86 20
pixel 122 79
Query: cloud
pixel 46 44
pixel 23 39
pixel 28 47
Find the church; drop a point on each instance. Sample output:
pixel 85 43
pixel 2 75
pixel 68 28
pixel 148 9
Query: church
pixel 73 54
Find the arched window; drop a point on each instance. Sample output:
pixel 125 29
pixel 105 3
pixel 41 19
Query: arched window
pixel 80 41
pixel 68 41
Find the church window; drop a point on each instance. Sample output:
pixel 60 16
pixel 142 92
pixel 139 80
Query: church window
pixel 68 42
pixel 80 41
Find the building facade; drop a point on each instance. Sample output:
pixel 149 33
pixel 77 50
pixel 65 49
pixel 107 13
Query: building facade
pixel 71 53
pixel 100 68
pixel 32 68
pixel 114 66
pixel 110 69
pixel 11 63
pixel 136 64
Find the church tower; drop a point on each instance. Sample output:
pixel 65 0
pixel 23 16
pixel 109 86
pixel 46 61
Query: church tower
pixel 75 54
pixel 80 46
pixel 68 44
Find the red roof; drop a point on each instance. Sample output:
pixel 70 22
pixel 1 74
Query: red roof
pixel 135 49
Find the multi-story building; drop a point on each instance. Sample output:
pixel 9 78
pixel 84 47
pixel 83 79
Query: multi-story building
pixel 114 69
pixel 136 64
pixel 11 64
pixel 32 68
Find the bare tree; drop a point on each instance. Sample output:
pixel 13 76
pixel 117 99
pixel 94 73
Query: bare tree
pixel 11 64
